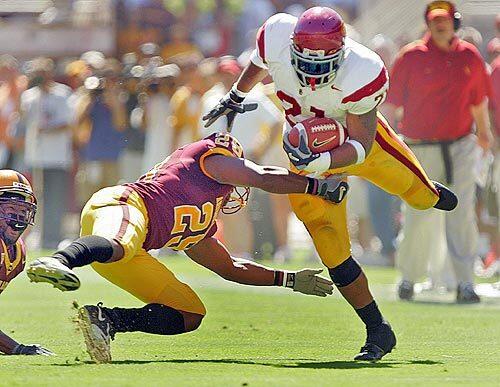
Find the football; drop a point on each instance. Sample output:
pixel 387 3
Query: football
pixel 323 134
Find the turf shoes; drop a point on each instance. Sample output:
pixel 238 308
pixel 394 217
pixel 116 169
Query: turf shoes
pixel 379 342
pixel 405 290
pixel 53 271
pixel 466 294
pixel 97 330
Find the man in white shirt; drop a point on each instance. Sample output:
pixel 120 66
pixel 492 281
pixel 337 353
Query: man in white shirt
pixel 48 152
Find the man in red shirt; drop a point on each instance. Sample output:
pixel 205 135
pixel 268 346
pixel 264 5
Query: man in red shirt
pixel 441 84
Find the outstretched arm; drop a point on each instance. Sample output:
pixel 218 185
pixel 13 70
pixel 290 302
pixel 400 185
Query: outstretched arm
pixel 244 173
pixel 213 255
pixel 11 347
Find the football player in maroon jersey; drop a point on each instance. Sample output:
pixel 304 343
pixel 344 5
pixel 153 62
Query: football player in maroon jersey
pixel 17 211
pixel 174 205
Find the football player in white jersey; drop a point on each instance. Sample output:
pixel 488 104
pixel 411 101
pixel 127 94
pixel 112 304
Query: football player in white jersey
pixel 318 71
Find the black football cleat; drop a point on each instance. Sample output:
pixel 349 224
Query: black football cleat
pixel 466 294
pixel 405 290
pixel 97 330
pixel 447 199
pixel 379 342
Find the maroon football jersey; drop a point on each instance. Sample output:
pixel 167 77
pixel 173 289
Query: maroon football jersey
pixel 12 261
pixel 182 200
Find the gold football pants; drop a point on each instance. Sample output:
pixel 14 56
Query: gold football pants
pixel 118 213
pixel 390 165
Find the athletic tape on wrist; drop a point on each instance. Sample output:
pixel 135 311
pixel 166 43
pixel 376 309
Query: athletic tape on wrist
pixel 320 164
pixel 360 150
pixel 238 93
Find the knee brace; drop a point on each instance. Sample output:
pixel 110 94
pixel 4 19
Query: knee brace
pixel 345 273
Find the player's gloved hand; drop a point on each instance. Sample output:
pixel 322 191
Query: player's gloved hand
pixel 229 106
pixel 332 188
pixel 300 156
pixel 306 281
pixel 33 349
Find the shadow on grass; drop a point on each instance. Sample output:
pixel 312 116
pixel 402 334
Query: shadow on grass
pixel 287 363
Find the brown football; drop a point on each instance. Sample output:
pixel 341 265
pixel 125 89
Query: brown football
pixel 323 134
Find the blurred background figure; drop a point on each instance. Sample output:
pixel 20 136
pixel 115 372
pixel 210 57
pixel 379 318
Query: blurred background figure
pixel 133 152
pixel 101 108
pixel 251 131
pixel 447 148
pixel 179 43
pixel 157 115
pixel 186 101
pixel 384 208
pixel 12 84
pixel 47 117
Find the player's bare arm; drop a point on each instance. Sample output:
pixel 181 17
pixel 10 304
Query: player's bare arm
pixel 245 173
pixel 361 128
pixel 250 76
pixel 213 255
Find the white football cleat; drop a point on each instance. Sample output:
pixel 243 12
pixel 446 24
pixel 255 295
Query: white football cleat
pixel 53 271
pixel 97 331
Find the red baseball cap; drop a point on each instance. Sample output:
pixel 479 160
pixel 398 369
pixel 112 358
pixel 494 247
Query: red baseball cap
pixel 438 12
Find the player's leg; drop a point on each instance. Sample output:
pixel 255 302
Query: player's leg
pixel 114 226
pixel 327 225
pixel 392 166
pixel 172 307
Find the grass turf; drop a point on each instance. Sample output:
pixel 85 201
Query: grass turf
pixel 252 337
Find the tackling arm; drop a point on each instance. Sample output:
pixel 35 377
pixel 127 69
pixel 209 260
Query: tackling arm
pixel 245 173
pixel 213 255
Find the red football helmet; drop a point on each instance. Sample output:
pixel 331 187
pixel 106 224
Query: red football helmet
pixel 317 46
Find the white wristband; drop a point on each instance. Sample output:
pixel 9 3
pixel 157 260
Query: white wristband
pixel 239 93
pixel 360 150
pixel 321 164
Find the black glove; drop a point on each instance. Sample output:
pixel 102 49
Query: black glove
pixel 33 349
pixel 301 155
pixel 229 106
pixel 331 189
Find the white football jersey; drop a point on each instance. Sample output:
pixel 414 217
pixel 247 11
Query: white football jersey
pixel 359 86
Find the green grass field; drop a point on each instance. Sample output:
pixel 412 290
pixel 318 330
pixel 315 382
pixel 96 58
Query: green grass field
pixel 253 337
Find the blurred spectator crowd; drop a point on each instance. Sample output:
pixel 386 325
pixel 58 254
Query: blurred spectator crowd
pixel 78 124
